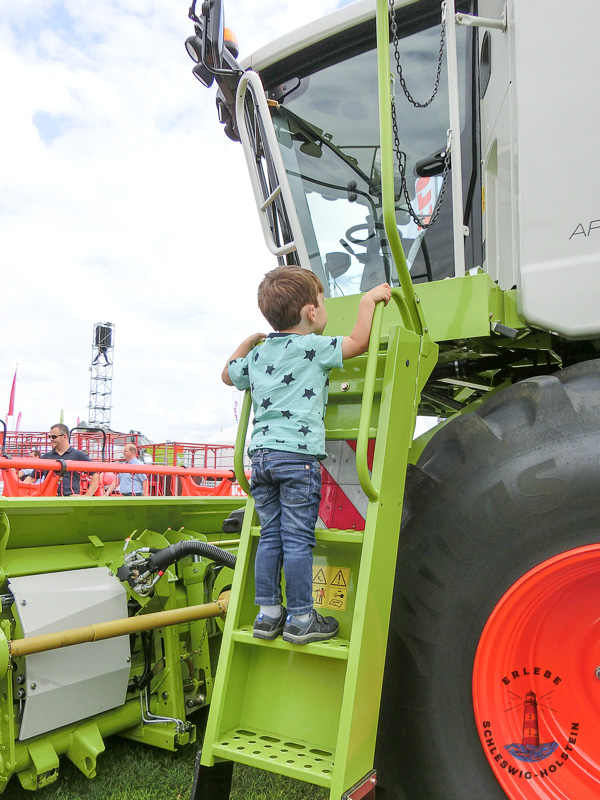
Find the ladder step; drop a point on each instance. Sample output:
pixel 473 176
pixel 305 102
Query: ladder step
pixel 294 758
pixel 331 648
pixel 349 536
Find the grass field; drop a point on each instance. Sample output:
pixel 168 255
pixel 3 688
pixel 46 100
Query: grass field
pixel 131 771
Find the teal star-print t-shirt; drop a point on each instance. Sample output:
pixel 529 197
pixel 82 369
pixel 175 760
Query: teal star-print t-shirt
pixel 288 376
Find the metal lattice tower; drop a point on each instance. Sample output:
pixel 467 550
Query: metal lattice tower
pixel 101 374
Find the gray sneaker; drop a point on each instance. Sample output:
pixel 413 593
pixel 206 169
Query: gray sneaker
pixel 316 629
pixel 267 627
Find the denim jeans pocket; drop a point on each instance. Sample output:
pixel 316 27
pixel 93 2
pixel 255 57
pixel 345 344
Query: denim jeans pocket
pixel 299 483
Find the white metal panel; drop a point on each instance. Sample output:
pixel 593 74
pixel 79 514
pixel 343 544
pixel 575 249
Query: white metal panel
pixel 316 31
pixel 558 118
pixel 69 684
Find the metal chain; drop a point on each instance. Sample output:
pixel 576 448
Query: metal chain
pixel 436 85
pixel 400 155
pixel 198 650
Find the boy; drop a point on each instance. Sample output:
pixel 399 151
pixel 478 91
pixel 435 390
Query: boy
pixel 288 379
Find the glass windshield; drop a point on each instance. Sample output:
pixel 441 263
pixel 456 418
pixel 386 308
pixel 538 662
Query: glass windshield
pixel 328 129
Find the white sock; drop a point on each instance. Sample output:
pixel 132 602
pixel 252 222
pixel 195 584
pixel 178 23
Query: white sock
pixel 271 611
pixel 302 617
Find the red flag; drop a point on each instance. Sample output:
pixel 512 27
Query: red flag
pixel 18 423
pixel 11 402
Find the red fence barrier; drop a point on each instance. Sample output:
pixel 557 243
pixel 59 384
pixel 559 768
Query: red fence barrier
pixel 181 481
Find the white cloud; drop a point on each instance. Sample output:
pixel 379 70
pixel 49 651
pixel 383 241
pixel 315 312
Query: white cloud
pixel 122 200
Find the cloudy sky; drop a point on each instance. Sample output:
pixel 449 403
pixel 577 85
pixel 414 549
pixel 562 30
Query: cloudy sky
pixel 121 200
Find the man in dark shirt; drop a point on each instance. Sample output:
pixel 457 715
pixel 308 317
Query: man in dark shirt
pixel 59 438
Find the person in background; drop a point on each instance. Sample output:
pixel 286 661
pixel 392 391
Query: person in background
pixel 130 484
pixel 61 448
pixel 27 473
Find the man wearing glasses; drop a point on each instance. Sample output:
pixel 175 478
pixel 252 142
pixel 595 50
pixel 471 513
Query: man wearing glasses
pixel 70 481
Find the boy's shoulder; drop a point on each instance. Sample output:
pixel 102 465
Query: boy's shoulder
pixel 289 344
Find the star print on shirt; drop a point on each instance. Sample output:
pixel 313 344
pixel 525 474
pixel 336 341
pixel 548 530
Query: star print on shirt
pixel 308 393
pixel 304 429
pixel 333 343
pixel 269 369
pixel 266 403
pixel 302 447
pixel 287 379
pixel 245 371
pixel 265 430
pixel 287 344
pixel 310 354
pixel 327 382
pixel 286 414
pixel 256 356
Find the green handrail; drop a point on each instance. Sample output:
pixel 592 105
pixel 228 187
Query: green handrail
pixel 366 408
pixel 240 443
pixel 387 166
pixel 364 423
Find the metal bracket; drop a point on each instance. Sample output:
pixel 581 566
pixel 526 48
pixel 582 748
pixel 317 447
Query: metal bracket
pixel 364 789
pixel 482 22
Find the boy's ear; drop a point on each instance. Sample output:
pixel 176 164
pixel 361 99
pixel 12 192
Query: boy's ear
pixel 308 312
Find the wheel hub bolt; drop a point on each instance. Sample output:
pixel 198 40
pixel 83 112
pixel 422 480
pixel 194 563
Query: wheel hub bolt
pixel 598 673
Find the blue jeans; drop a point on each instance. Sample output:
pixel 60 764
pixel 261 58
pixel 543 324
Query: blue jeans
pixel 286 488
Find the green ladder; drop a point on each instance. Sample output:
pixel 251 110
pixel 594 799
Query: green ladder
pixel 310 711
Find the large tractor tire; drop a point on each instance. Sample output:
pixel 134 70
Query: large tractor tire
pixel 492 684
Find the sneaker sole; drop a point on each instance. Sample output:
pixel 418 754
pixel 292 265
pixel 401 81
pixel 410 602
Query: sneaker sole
pixel 267 634
pixel 306 638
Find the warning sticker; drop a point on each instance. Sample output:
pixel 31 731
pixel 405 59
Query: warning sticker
pixel 330 587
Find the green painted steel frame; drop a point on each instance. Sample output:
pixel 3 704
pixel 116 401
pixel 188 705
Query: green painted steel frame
pixel 56 534
pixel 311 712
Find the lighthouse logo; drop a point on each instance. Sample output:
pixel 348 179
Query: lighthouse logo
pixel 530 749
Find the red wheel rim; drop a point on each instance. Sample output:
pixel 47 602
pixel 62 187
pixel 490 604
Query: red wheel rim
pixel 535 692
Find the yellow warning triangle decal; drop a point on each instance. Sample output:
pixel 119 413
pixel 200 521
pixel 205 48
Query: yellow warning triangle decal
pixel 339 579
pixel 320 578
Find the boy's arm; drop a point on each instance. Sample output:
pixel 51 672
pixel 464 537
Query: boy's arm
pixel 358 341
pixel 241 351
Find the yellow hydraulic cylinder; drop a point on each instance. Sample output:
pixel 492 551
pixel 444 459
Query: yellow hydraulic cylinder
pixel 117 627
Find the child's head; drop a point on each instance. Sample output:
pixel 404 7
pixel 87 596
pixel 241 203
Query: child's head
pixel 284 292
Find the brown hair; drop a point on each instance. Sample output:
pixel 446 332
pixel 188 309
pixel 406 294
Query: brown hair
pixel 62 428
pixel 284 292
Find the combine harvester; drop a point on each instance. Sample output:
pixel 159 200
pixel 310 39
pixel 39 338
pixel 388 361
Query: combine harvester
pixel 467 664
pixel 451 155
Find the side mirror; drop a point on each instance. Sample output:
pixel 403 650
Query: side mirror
pixel 212 11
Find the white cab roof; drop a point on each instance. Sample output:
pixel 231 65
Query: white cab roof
pixel 314 32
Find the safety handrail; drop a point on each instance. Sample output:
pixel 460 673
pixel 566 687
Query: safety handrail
pixel 366 408
pixel 387 169
pixel 240 442
pixel 269 198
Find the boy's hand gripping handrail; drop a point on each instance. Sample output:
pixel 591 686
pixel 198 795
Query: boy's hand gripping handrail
pixel 364 423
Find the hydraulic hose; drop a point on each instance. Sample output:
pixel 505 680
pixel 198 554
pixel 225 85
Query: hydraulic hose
pixel 161 559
